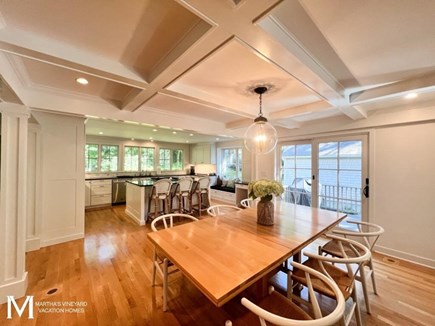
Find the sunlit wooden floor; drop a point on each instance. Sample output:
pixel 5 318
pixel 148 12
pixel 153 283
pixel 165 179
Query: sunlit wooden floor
pixel 110 272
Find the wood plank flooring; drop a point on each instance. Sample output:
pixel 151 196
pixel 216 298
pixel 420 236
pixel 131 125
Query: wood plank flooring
pixel 110 273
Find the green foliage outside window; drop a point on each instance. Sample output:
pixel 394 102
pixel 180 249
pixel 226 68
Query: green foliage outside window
pixel 131 158
pixel 165 159
pixel 231 163
pixel 177 159
pixel 91 158
pixel 109 158
pixel 147 158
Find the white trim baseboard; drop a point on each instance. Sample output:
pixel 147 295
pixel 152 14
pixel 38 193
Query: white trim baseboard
pixel 70 237
pixel 33 244
pixel 406 256
pixel 16 288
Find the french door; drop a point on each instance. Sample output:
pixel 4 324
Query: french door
pixel 330 173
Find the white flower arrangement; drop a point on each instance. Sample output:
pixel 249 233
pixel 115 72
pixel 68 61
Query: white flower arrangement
pixel 265 189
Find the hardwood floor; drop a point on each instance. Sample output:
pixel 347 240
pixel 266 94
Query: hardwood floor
pixel 109 274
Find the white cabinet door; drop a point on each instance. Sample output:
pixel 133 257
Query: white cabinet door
pixel 87 193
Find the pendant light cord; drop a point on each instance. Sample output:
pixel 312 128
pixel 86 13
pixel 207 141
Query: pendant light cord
pixel 261 104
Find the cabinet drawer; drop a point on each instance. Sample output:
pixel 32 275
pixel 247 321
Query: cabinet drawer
pixel 101 200
pixel 101 189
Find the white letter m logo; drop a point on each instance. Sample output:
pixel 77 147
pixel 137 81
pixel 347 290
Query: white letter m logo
pixel 11 299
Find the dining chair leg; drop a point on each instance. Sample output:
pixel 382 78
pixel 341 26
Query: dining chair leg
pixel 357 310
pixel 373 276
pixel 165 284
pixel 364 287
pixel 154 266
pixel 199 203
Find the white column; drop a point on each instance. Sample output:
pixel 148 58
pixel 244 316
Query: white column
pixel 13 165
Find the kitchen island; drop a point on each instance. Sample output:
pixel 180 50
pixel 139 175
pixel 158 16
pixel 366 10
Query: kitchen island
pixel 138 198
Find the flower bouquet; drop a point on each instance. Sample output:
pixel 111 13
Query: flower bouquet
pixel 265 189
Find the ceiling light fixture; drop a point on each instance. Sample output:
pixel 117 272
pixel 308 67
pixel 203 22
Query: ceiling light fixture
pixel 261 137
pixel 82 81
pixel 410 96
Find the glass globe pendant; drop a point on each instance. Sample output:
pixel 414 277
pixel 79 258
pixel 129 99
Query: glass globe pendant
pixel 261 137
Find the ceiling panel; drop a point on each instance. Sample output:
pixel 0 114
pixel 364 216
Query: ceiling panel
pixel 183 107
pixel 226 78
pixel 64 80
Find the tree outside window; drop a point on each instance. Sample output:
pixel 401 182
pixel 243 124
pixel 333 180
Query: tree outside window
pixel 177 159
pixel 165 159
pixel 231 163
pixel 91 158
pixel 147 158
pixel 109 158
pixel 131 158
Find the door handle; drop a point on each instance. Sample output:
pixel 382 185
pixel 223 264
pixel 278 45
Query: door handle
pixel 366 189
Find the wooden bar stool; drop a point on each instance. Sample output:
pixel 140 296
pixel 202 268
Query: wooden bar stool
pixel 160 194
pixel 202 191
pixel 184 195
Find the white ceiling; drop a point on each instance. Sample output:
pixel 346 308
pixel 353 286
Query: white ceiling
pixel 191 64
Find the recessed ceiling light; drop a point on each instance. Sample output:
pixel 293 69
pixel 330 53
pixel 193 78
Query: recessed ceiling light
pixel 100 133
pixel 410 96
pixel 187 141
pixel 82 81
pixel 154 130
pixel 217 138
pixel 191 135
pixel 151 138
pixel 174 132
pixel 132 139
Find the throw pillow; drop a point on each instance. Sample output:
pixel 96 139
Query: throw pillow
pixel 231 183
pixel 224 183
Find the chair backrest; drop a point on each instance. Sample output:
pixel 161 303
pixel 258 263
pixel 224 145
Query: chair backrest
pixel 360 254
pixel 203 183
pixel 162 186
pixel 216 210
pixel 369 232
pixel 167 221
pixel 249 202
pixel 185 185
pixel 319 320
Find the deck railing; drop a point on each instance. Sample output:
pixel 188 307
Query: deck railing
pixel 341 198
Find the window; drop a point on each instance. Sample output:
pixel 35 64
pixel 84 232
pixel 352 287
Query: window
pixel 91 158
pixel 131 158
pixel 177 159
pixel 147 158
pixel 109 158
pixel 165 159
pixel 171 159
pixel 231 163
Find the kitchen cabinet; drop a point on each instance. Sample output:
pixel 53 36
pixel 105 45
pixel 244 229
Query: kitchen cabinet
pixel 87 193
pixel 101 192
pixel 201 154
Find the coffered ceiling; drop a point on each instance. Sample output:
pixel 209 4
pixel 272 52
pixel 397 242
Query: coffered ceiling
pixel 192 64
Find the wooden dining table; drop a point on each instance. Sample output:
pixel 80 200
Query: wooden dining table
pixel 224 255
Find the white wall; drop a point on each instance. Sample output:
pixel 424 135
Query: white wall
pixel 62 177
pixel 403 187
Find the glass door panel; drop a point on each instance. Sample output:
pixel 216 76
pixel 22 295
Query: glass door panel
pixel 340 174
pixel 295 173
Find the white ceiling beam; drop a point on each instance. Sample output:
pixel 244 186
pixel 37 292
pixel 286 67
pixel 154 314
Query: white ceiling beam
pixel 239 124
pixel 299 110
pixel 420 84
pixel 354 112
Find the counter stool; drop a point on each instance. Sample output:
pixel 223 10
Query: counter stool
pixel 201 191
pixel 160 193
pixel 184 195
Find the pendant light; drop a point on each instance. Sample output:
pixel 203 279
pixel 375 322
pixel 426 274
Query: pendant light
pixel 261 137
